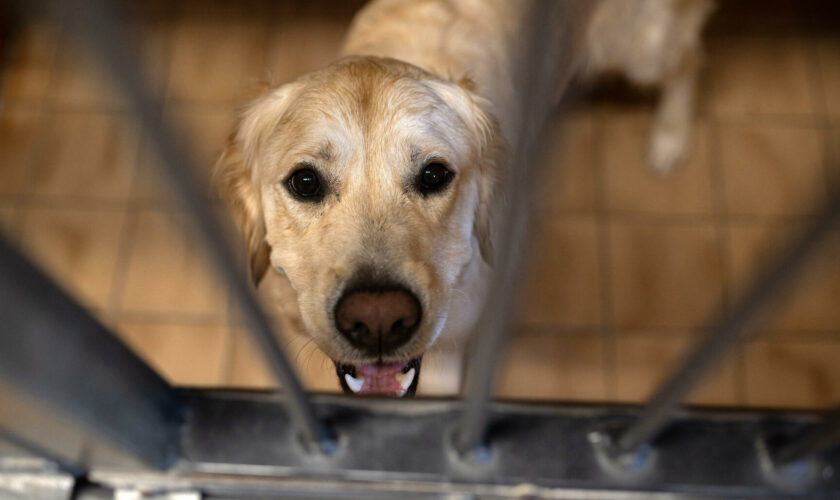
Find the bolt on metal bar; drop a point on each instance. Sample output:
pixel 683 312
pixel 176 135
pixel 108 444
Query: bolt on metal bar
pixel 91 22
pixel 728 331
pixel 815 439
pixel 550 39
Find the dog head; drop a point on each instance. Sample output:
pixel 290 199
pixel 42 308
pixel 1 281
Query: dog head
pixel 368 185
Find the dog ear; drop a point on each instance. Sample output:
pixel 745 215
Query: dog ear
pixel 478 116
pixel 234 176
pixel 232 180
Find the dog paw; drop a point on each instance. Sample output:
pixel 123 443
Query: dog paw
pixel 667 151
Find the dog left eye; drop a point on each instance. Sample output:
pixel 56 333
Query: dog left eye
pixel 433 177
pixel 305 184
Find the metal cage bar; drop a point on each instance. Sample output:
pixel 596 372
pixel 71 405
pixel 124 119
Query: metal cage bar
pixel 91 22
pixel 498 307
pixel 728 331
pixel 69 389
pixel 550 38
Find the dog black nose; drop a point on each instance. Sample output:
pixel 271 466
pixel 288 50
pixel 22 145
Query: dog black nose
pixel 378 320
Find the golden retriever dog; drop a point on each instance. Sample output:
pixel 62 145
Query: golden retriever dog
pixel 369 186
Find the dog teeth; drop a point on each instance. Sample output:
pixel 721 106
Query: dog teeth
pixel 405 379
pixel 355 384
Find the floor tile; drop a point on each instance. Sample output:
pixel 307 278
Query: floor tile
pixel 443 365
pixel 215 61
pixel 564 367
pixel 80 79
pixel 632 186
pixel 828 53
pixel 772 170
pixel 664 275
pixel 793 374
pixel 86 154
pixel 205 129
pixel 645 359
pixel 184 354
pixel 247 367
pixel 761 75
pixel 168 271
pixel 27 73
pixel 811 304
pixel 18 131
pixel 77 247
pixel 569 177
pixel 300 45
pixel 563 274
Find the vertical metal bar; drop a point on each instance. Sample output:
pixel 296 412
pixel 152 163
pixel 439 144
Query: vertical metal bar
pixel 91 22
pixel 728 331
pixel 545 63
pixel 69 390
pixel 816 439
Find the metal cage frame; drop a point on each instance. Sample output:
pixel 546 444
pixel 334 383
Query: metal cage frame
pixel 96 421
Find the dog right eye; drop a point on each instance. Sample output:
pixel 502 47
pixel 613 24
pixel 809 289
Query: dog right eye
pixel 433 177
pixel 305 185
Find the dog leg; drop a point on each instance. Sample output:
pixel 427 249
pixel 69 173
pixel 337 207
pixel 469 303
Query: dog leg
pixel 671 133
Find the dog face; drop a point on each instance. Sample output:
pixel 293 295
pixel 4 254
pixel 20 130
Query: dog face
pixel 366 184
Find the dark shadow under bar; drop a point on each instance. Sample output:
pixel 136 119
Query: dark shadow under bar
pixel 728 331
pixel 91 22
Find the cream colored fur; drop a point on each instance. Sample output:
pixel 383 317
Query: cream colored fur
pixel 420 80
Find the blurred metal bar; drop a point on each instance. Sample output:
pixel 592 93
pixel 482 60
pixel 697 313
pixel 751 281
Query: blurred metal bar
pixel 816 439
pixel 91 22
pixel 69 389
pixel 546 61
pixel 728 331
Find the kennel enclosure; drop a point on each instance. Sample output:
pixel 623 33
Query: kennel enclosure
pixel 95 422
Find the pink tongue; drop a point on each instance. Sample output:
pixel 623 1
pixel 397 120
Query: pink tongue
pixel 380 379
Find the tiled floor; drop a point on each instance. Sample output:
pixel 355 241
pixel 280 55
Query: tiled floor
pixel 625 266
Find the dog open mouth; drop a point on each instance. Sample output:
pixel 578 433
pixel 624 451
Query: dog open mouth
pixel 384 379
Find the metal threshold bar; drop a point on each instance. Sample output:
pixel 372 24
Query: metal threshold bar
pixel 241 445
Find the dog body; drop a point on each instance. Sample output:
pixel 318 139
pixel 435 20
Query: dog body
pixel 370 185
